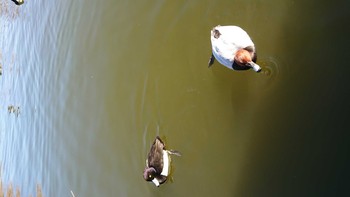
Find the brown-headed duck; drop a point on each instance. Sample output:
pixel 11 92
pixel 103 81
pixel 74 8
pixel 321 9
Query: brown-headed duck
pixel 233 48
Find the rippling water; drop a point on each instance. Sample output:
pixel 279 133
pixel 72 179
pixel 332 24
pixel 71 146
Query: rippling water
pixel 96 81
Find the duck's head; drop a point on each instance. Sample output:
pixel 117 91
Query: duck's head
pixel 244 58
pixel 149 175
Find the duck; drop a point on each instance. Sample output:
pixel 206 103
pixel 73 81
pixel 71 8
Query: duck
pixel 18 2
pixel 233 48
pixel 158 162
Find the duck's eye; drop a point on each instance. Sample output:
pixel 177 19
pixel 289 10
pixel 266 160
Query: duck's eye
pixel 149 176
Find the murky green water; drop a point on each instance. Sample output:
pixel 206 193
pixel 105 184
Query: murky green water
pixel 96 81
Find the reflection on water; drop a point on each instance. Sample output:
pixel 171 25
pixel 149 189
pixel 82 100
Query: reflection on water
pixel 96 82
pixel 9 10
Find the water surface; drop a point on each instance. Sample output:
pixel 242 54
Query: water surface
pixel 95 82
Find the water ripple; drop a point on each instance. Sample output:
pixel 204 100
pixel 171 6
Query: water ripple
pixel 271 71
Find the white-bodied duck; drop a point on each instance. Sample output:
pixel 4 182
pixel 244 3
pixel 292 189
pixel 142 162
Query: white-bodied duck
pixel 158 162
pixel 18 2
pixel 233 48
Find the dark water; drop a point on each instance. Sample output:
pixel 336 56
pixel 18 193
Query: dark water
pixel 304 148
pixel 95 82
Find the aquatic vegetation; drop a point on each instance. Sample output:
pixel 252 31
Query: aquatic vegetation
pixel 10 192
pixel 13 109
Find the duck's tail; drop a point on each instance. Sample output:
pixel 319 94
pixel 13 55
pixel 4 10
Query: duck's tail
pixel 174 152
pixel 215 32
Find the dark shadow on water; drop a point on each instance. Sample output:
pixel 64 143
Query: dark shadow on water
pixel 301 145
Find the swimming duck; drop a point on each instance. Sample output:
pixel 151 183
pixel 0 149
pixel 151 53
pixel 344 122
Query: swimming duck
pixel 158 162
pixel 18 2
pixel 233 48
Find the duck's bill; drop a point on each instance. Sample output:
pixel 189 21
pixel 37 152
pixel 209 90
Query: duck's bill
pixel 254 66
pixel 174 152
pixel 156 182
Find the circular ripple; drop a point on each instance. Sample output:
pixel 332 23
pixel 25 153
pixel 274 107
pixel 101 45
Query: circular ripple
pixel 270 71
pixel 270 67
